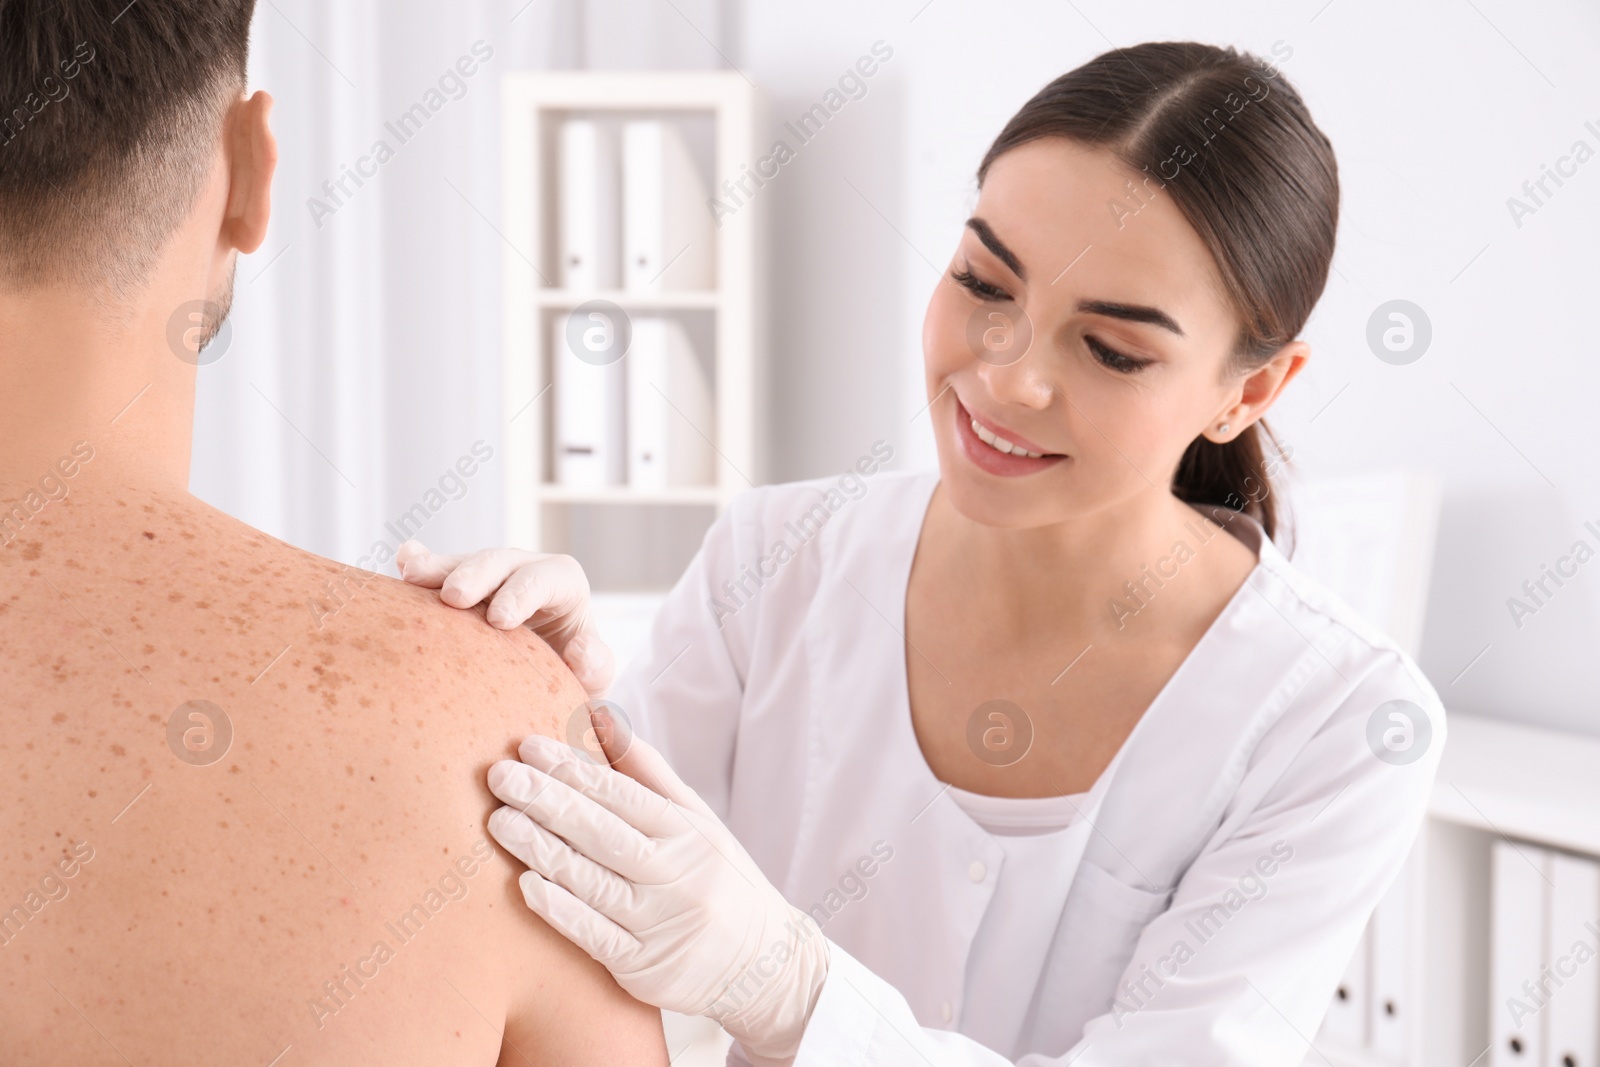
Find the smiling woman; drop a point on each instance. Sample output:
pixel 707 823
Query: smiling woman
pixel 1203 230
pixel 1083 813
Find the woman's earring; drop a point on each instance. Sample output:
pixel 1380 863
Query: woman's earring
pixel 1224 427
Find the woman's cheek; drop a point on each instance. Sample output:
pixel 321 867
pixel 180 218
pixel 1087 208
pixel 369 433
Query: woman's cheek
pixel 1113 425
pixel 1150 433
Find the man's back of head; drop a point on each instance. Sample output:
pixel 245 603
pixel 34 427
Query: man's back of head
pixel 239 826
pixel 110 121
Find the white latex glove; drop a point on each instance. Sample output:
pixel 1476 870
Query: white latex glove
pixel 549 592
pixel 651 884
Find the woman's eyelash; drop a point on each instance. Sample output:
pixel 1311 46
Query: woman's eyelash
pixel 978 286
pixel 1107 355
pixel 1114 359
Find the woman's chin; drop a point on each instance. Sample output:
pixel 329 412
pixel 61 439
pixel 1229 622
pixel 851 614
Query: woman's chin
pixel 990 500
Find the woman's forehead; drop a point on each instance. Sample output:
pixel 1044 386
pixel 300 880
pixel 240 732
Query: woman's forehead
pixel 1077 217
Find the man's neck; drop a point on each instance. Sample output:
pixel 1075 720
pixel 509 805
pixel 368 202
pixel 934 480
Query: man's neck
pixel 69 376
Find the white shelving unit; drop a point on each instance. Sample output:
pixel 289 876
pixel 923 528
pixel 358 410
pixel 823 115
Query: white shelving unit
pixel 548 516
pixel 1496 780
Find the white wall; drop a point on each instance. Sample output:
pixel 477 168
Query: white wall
pixel 1438 110
pixel 366 358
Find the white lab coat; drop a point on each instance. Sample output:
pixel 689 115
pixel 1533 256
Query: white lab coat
pixel 1225 866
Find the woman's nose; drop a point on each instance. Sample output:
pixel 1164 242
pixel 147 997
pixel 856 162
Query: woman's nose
pixel 1002 339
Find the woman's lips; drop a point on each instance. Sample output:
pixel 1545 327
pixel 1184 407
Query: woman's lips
pixel 991 460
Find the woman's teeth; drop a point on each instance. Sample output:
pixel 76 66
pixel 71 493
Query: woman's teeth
pixel 1000 444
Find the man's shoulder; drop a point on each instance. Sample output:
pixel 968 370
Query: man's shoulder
pixel 404 638
pixel 306 792
pixel 361 637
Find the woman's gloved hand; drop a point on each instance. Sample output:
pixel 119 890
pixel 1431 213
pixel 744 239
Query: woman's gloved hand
pixel 550 593
pixel 651 884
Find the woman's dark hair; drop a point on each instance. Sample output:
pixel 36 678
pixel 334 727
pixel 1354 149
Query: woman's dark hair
pixel 1225 135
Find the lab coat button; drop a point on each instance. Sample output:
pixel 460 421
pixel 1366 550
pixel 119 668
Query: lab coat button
pixel 946 1011
pixel 977 871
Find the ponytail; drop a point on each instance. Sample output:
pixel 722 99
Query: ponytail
pixel 1236 475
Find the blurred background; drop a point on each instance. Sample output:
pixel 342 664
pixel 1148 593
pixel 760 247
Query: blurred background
pixel 370 350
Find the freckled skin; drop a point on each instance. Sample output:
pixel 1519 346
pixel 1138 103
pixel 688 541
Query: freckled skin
pixel 220 898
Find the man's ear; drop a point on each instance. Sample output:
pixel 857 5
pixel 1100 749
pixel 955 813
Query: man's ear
pixel 252 154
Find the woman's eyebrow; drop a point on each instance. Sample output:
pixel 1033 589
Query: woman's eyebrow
pixel 1128 312
pixel 1131 313
pixel 997 246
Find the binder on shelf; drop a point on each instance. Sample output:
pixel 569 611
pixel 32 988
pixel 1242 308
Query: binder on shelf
pixel 668 237
pixel 1390 1008
pixel 1516 954
pixel 1572 1036
pixel 588 204
pixel 671 420
pixel 589 415
pixel 1345 1025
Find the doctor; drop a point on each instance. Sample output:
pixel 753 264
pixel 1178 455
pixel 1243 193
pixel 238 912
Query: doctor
pixel 1051 757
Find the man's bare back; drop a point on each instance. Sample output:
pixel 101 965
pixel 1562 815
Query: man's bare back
pixel 322 893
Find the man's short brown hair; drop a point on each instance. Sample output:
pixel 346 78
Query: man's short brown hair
pixel 109 113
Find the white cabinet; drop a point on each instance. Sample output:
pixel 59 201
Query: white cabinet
pixel 630 538
pixel 1515 814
